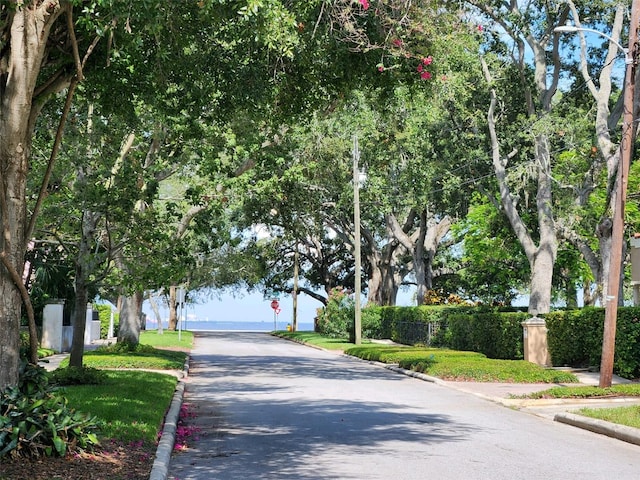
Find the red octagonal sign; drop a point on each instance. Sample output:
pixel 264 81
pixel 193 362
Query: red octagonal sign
pixel 274 304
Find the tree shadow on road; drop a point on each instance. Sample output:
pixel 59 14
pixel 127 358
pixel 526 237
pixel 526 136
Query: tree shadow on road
pixel 267 417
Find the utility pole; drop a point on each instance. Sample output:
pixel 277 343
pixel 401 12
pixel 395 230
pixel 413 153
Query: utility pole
pixel 296 259
pixel 356 241
pixel 617 234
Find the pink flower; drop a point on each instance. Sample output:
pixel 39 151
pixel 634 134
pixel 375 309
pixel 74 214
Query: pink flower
pixel 444 78
pixel 365 4
pixel 420 68
pixel 480 28
pixel 425 75
pixel 397 42
pixel 380 67
pixel 427 60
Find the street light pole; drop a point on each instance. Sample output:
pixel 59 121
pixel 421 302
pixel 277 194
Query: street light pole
pixel 617 233
pixel 296 260
pixel 356 241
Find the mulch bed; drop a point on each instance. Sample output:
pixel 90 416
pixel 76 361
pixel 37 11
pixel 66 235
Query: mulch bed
pixel 114 462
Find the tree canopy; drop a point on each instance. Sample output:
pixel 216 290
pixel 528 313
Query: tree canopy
pixel 147 145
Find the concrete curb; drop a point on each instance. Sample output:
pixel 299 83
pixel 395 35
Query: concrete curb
pixel 619 432
pixel 160 468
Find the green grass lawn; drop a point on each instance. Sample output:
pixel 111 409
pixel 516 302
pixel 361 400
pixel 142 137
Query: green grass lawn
pixel 629 416
pixel 131 404
pixel 588 391
pixel 155 352
pixel 168 339
pixel 316 339
pixel 145 357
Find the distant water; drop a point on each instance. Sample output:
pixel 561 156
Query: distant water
pixel 195 325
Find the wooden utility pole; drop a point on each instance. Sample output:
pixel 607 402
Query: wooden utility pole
pixel 617 234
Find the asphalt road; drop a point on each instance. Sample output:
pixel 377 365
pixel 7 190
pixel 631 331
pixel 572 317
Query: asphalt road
pixel 272 409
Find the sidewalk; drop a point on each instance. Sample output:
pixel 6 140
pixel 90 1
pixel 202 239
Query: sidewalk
pixel 53 361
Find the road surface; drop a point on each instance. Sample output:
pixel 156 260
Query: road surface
pixel 267 408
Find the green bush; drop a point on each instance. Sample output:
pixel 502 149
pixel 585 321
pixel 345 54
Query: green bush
pixel 371 318
pixel 104 314
pixel 575 339
pixel 575 336
pixel 24 344
pixel 77 376
pixel 124 347
pixel 334 319
pixel 35 419
pixel 411 325
pixel 494 333
pixel 627 357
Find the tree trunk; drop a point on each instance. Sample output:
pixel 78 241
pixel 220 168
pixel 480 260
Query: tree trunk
pixel 423 245
pixel 79 325
pixel 541 257
pixel 156 312
pixel 173 309
pixel 84 267
pixel 382 286
pixel 541 278
pixel 419 264
pixel 20 63
pixel 384 274
pixel 130 315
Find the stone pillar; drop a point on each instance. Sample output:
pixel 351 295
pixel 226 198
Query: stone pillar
pixel 535 341
pixel 52 325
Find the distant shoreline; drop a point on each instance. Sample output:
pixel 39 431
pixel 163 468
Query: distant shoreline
pixel 249 326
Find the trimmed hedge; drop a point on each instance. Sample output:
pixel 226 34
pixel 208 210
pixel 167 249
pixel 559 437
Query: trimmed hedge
pixel 496 334
pixel 415 325
pixel 492 331
pixel 575 339
pixel 574 336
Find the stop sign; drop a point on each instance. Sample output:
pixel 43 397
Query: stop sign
pixel 274 304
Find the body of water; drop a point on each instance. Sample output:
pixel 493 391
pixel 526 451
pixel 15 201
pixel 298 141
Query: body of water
pixel 265 326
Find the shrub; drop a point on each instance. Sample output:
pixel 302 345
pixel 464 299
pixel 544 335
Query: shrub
pixel 24 344
pixel 334 319
pixel 627 356
pixel 124 347
pixel 575 339
pixel 371 318
pixel 424 325
pixel 35 420
pixel 104 314
pixel 77 376
pixel 496 334
pixel 575 336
